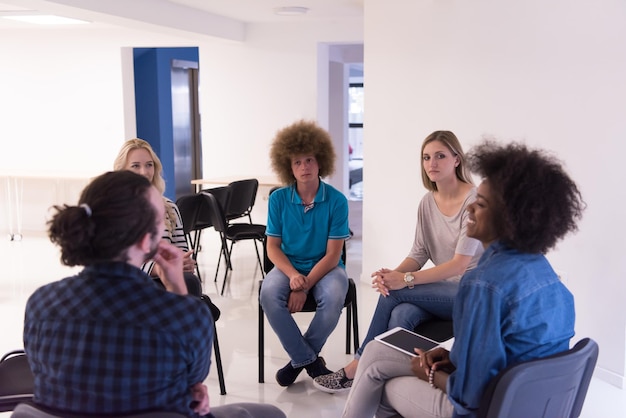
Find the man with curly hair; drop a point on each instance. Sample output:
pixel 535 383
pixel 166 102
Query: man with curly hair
pixel 306 227
pixel 510 309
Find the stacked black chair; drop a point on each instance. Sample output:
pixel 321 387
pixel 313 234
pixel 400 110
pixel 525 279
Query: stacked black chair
pixel 242 199
pixel 189 206
pixel 233 233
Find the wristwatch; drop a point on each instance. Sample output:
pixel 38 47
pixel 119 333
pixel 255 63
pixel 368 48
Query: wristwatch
pixel 408 279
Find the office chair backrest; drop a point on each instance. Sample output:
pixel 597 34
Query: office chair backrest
pixel 242 199
pixel 16 380
pixel 552 387
pixel 30 410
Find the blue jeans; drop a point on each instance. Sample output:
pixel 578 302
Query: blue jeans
pixel 330 295
pixel 408 308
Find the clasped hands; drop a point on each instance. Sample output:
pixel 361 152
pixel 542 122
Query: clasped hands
pixel 385 280
pixel 297 297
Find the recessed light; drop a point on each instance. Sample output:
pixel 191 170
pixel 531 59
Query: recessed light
pixel 291 10
pixel 46 19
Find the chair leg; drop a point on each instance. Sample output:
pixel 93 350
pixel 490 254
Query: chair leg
pixel 355 324
pixel 219 261
pixel 348 327
pixel 195 247
pixel 218 361
pixel 224 282
pixel 258 257
pixel 261 343
pixel 217 269
pixel 226 253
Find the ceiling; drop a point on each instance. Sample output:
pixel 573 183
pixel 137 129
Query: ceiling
pixel 263 10
pixel 226 11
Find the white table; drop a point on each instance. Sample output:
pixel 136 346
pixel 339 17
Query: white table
pixel 264 181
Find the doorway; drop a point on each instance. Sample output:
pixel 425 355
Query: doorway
pixel 186 126
pixel 167 112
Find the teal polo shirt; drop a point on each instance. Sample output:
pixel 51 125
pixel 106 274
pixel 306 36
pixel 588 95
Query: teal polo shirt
pixel 304 235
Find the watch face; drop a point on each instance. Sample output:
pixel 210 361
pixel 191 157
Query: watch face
pixel 408 278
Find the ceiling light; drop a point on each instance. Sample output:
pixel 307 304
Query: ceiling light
pixel 46 19
pixel 290 10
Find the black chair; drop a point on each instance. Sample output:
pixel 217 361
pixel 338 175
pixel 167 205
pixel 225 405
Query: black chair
pixel 32 410
pixel 215 314
pixel 438 330
pixel 196 216
pixel 188 206
pixel 233 233
pixel 16 380
pixel 352 318
pixel 551 387
pixel 242 199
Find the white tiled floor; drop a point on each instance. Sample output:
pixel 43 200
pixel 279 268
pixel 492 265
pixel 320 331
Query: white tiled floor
pixel 34 261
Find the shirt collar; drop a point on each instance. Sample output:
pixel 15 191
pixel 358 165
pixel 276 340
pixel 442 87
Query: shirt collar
pixel 115 270
pixel 320 196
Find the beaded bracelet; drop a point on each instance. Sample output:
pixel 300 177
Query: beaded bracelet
pixel 431 378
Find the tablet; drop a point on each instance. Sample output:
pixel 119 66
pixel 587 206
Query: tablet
pixel 404 340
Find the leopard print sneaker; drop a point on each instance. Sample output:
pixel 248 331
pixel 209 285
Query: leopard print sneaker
pixel 334 382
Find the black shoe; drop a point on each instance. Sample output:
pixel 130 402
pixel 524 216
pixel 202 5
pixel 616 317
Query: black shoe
pixel 317 368
pixel 215 311
pixel 288 374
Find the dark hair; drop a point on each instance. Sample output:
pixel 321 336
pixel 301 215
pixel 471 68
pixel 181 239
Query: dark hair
pixel 114 212
pixel 300 138
pixel 538 203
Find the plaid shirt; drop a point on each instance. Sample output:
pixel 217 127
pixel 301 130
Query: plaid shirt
pixel 109 341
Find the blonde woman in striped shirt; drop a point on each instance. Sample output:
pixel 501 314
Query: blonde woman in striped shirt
pixel 138 156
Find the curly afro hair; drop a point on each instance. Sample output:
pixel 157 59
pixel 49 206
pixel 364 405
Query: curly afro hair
pixel 301 138
pixel 537 201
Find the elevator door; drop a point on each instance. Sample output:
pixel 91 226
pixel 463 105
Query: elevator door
pixel 186 126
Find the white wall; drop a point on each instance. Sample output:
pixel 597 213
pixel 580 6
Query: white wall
pixel 250 91
pixel 64 111
pixel 550 73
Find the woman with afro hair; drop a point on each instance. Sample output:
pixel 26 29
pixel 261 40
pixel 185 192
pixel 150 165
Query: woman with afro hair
pixel 511 308
pixel 307 225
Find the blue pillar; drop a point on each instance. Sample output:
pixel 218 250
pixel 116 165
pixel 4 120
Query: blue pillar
pixel 153 102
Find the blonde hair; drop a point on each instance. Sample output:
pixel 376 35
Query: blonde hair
pixel 157 180
pixel 451 142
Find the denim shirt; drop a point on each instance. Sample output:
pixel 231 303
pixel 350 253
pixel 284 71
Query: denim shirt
pixel 511 308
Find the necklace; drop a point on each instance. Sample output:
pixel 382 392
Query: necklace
pixel 308 206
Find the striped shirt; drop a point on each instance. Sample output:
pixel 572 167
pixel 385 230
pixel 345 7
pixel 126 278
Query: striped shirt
pixel 176 237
